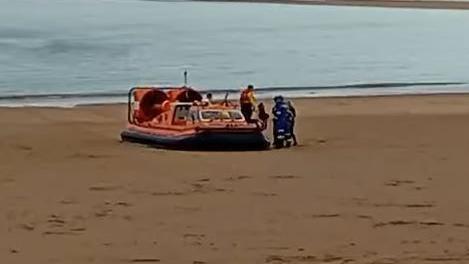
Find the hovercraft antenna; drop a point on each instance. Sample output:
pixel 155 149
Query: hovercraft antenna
pixel 225 101
pixel 185 78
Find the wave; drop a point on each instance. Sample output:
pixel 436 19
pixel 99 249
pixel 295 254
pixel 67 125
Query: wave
pixel 286 89
pixel 348 86
pixel 61 95
pixel 349 90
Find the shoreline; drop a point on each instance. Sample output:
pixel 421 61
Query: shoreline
pixel 379 105
pixel 414 4
pixel 263 99
pixel 318 91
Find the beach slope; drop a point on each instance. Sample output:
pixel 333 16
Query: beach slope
pixel 376 180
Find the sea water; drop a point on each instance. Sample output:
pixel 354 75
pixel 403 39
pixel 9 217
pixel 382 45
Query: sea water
pixel 63 52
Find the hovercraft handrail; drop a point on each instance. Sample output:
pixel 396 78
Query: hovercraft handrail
pixel 130 116
pixel 174 94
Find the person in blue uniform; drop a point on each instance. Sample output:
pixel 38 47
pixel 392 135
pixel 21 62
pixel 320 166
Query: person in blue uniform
pixel 282 118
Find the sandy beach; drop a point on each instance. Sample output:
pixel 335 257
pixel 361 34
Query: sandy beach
pixel 427 4
pixel 376 180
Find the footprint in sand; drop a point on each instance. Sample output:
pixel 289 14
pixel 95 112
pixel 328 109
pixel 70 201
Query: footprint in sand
pixel 306 259
pixel 187 209
pixel 198 186
pixel 123 203
pixel 365 216
pixel 321 141
pixel 169 193
pixel 203 180
pixel 278 248
pixel 56 220
pixel 196 236
pixel 80 155
pixel 67 201
pixel 285 177
pixel 59 233
pixel 24 147
pixel 207 188
pixel 59 226
pixel 128 218
pixel 395 223
pixel 409 222
pixel 28 226
pixel 104 187
pixel 411 242
pixel 144 260
pixel 7 180
pixel 386 260
pixel 265 194
pixel 194 239
pixel 103 212
pixel 440 259
pixel 461 225
pixel 238 178
pixel 399 182
pixel 78 229
pixel 420 205
pixel 411 205
pixel 431 222
pixel 328 215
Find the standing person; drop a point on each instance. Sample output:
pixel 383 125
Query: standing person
pixel 293 112
pixel 282 118
pixel 247 101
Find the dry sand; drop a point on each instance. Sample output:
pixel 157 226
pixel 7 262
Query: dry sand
pixel 376 180
pixel 430 4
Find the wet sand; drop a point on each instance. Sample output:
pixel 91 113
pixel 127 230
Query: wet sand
pixel 427 4
pixel 376 180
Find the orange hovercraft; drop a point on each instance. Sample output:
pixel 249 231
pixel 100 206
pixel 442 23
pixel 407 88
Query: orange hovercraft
pixel 176 118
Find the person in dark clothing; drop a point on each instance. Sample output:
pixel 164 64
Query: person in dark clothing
pixel 282 118
pixel 263 116
pixel 293 112
pixel 208 100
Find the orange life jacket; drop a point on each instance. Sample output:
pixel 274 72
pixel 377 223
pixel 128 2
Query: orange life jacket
pixel 245 97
